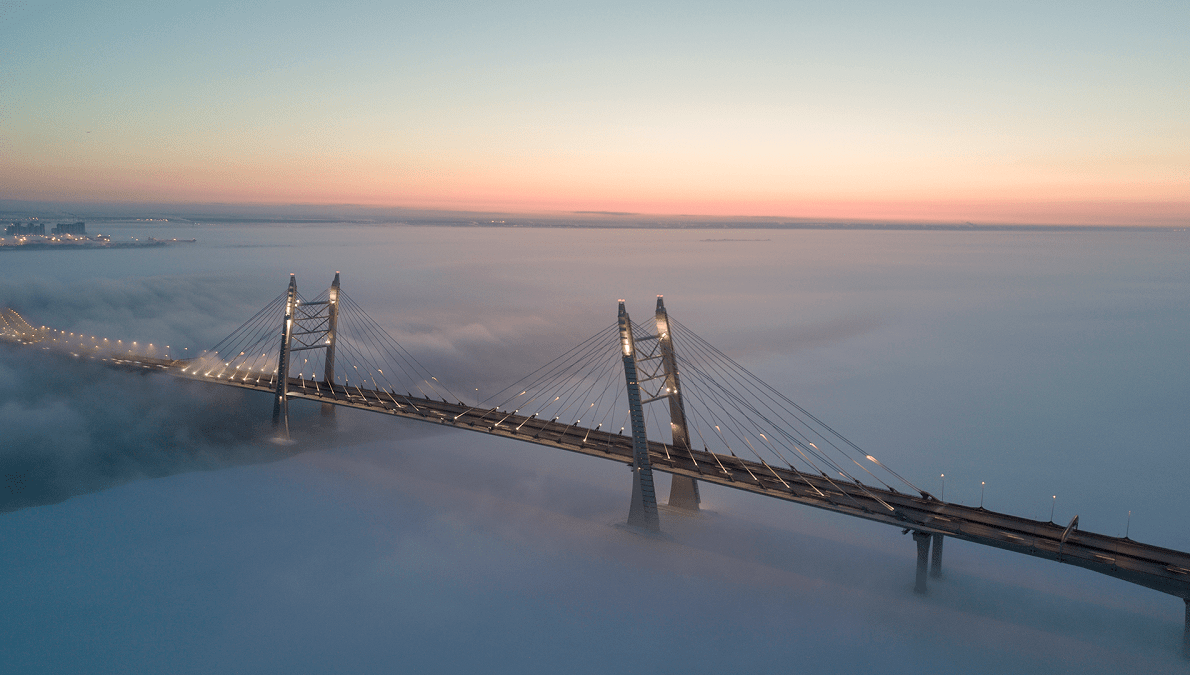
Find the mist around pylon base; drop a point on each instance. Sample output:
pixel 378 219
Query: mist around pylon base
pixel 644 532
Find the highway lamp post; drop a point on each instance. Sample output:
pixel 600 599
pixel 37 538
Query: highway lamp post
pixel 1052 505
pixel 942 495
pixel 981 487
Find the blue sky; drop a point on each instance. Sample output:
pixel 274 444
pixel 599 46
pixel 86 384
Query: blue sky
pixel 791 109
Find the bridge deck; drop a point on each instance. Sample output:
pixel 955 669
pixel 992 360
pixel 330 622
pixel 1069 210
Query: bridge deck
pixel 1158 568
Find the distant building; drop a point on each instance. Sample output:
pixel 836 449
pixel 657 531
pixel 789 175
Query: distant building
pixel 78 229
pixel 21 229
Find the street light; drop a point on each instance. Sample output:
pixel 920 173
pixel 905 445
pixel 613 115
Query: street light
pixel 981 486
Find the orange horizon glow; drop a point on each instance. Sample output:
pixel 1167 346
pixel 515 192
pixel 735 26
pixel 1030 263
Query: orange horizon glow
pixel 1085 213
pixel 1146 205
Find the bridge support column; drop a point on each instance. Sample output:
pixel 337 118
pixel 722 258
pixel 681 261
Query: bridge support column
pixel 936 558
pixel 683 493
pixel 923 557
pixel 281 398
pixel 683 490
pixel 332 336
pixel 643 511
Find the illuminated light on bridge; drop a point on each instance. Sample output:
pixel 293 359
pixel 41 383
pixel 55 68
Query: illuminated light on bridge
pixel 752 437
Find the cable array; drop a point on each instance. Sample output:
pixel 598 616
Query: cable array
pixel 732 410
pixel 249 353
pixel 582 387
pixel 729 411
pixel 369 354
pixel 366 356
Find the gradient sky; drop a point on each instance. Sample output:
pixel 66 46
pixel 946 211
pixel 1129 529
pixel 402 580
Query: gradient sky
pixel 1011 112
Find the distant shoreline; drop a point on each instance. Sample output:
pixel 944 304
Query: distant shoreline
pixel 84 246
pixel 590 222
pixel 1095 215
pixel 897 227
pixel 561 224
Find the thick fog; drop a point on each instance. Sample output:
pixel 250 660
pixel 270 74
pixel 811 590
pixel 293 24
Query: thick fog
pixel 1038 363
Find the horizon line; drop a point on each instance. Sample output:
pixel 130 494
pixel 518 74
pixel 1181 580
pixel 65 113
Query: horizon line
pixel 266 211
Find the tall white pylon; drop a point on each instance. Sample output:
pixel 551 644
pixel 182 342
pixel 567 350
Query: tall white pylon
pixel 281 399
pixel 643 511
pixel 683 490
pixel 332 336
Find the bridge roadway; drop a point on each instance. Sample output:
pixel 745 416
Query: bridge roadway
pixel 1158 568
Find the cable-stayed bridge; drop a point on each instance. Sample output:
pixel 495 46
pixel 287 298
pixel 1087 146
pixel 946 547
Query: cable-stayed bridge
pixel 652 395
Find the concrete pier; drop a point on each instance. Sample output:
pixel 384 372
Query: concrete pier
pixel 936 558
pixel 923 559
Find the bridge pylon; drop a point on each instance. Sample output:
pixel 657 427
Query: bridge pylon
pixel 281 398
pixel 308 326
pixel 936 557
pixel 332 313
pixel 923 554
pixel 683 490
pixel 643 511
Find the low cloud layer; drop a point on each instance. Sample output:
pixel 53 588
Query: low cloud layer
pixel 987 358
pixel 466 553
pixel 72 427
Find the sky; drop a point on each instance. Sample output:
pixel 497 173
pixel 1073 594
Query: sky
pixel 1058 112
